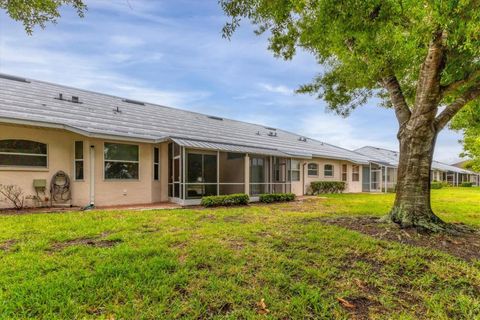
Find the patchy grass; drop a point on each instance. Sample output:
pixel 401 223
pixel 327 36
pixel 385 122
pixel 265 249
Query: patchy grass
pixel 221 263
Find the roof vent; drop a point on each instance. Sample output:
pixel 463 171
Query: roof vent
pixel 13 78
pixel 117 110
pixel 303 139
pixel 74 99
pixel 258 133
pixel 215 118
pixel 271 129
pixel 133 101
pixel 272 134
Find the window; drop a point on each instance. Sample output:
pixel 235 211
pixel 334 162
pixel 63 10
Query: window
pixel 23 153
pixel 355 173
pixel 295 170
pixel 156 164
pixel 328 170
pixel 313 169
pixel 78 160
pixel 344 172
pixel 121 161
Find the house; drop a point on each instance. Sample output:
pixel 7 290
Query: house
pixel 465 164
pixel 381 174
pixel 100 149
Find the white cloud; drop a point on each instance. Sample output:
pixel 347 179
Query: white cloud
pixel 277 89
pixel 124 41
pixel 339 131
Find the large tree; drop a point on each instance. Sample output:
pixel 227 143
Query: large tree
pixel 422 58
pixel 33 13
pixel 468 120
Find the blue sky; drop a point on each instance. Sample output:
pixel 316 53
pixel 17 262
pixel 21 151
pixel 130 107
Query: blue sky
pixel 172 53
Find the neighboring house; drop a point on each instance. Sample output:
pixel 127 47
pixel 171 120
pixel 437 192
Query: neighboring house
pixel 465 164
pixel 381 175
pixel 119 151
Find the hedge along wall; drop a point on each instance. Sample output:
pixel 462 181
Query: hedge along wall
pixel 227 200
pixel 327 186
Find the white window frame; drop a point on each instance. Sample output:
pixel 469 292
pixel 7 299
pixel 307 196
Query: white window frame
pixel 28 155
pixel 308 169
pixel 75 160
pixel 122 161
pixel 325 170
pixel 353 173
pixel 292 169
pixel 344 176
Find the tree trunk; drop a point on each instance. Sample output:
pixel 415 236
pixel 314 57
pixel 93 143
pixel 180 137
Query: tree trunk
pixel 412 203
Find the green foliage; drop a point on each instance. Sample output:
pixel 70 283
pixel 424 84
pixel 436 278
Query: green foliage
pixel 466 184
pixel 276 197
pixel 358 43
pixel 38 13
pixel 468 121
pixel 227 200
pixel 327 187
pixel 436 185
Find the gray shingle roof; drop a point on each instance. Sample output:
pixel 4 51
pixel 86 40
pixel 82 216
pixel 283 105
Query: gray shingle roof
pixel 390 157
pixel 37 102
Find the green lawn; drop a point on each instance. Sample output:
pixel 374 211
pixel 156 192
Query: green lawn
pixel 199 264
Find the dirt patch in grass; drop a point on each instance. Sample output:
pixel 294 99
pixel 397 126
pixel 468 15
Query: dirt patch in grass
pixel 236 219
pixel 465 246
pixel 97 242
pixel 358 307
pixel 8 244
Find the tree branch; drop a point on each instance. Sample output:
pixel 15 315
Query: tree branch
pixel 451 110
pixel 428 87
pixel 402 111
pixel 449 88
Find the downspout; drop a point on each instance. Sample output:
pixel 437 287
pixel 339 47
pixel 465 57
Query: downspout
pixel 91 205
pixel 303 178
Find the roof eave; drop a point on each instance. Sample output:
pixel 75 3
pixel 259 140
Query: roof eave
pixel 53 125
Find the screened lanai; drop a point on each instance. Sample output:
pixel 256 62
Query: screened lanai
pixel 195 172
pixel 379 177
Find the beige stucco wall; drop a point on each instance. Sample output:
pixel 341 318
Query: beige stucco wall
pixel 305 179
pixel 60 146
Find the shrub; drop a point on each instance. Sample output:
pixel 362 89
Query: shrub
pixel 276 197
pixel 13 194
pixel 327 187
pixel 466 184
pixel 436 185
pixel 227 200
